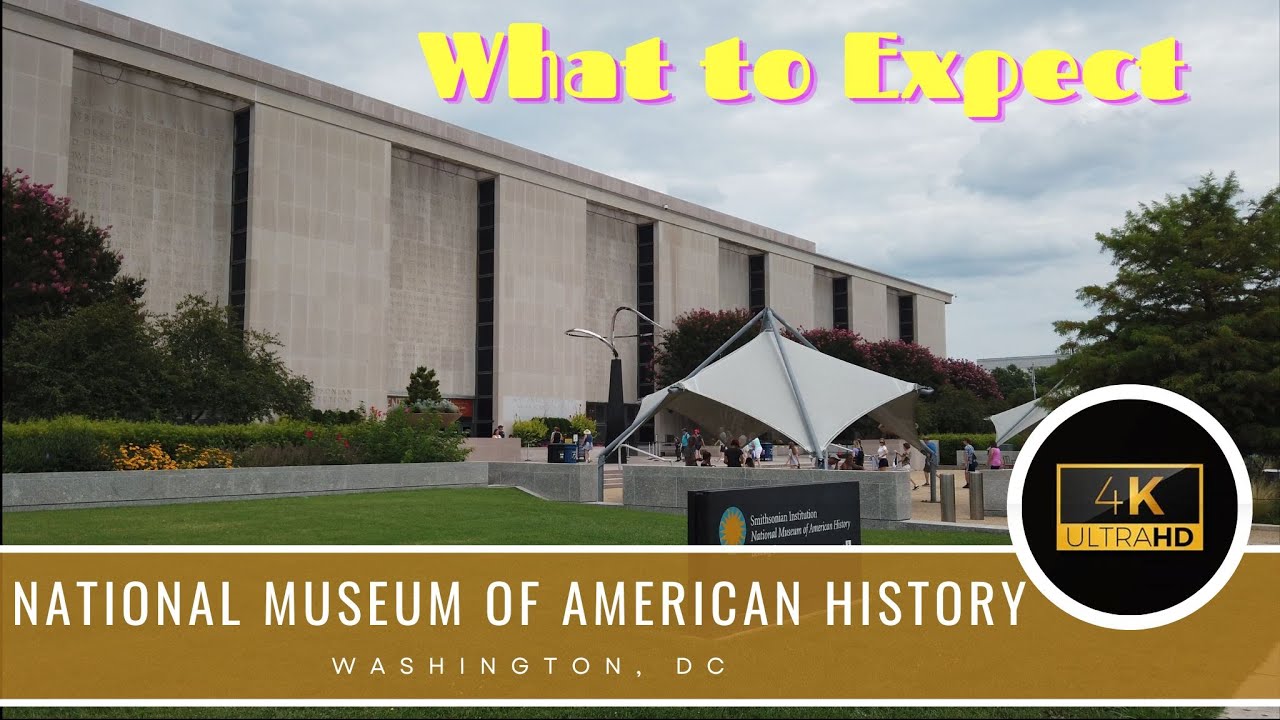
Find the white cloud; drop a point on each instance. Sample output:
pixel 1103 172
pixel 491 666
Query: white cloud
pixel 1003 215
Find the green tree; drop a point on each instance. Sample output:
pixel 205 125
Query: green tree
pixel 423 387
pixel 99 361
pixel 1194 308
pixel 54 259
pixel 216 373
pixel 1015 384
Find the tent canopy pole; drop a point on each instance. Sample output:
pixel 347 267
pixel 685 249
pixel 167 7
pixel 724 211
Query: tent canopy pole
pixel 795 389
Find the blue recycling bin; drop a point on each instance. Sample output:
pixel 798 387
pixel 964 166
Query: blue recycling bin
pixel 766 452
pixel 562 453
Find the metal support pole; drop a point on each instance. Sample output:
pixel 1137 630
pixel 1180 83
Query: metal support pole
pixel 976 509
pixel 933 484
pixel 948 481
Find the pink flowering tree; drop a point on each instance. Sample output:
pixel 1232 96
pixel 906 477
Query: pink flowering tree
pixel 55 258
pixel 973 377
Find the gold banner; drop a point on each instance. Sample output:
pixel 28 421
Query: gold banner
pixel 600 625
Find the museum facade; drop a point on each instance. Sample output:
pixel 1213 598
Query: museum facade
pixel 373 240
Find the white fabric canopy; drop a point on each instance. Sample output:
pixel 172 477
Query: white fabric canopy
pixel 749 391
pixel 1015 420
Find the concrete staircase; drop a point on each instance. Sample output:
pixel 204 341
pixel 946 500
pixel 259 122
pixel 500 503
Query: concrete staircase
pixel 612 476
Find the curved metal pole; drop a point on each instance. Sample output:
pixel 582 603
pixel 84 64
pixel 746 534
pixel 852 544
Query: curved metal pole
pixel 613 324
pixel 580 333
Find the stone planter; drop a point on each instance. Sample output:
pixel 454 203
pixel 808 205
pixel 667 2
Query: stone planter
pixel 416 419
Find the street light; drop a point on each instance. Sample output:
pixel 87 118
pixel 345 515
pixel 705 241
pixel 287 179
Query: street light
pixel 616 412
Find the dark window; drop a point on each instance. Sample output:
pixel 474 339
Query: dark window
pixel 645 381
pixel 483 421
pixel 237 295
pixel 906 318
pixel 755 280
pixel 840 303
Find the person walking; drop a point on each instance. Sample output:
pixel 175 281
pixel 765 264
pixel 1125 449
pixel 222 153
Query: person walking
pixel 588 444
pixel 793 456
pixel 694 449
pixel 970 461
pixel 904 463
pixel 684 444
pixel 995 458
pixel 882 455
pixel 859 456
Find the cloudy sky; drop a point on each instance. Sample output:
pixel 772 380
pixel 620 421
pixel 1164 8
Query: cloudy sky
pixel 1003 215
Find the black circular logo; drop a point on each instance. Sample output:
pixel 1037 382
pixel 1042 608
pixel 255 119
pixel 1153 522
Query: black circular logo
pixel 1129 507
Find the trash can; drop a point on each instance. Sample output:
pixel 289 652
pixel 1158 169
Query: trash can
pixel 766 452
pixel 562 453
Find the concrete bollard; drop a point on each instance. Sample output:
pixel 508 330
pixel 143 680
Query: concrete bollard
pixel 976 509
pixel 948 490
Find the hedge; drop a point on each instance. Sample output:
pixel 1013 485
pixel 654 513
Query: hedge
pixel 69 444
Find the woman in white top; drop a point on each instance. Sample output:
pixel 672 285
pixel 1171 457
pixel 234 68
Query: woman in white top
pixel 883 454
pixel 904 463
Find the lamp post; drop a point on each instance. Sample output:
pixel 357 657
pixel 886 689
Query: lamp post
pixel 616 412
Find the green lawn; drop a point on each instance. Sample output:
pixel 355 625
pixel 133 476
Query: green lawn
pixel 481 516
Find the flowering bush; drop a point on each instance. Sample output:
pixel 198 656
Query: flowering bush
pixel 154 457
pixel 972 377
pixel 151 457
pixel 55 259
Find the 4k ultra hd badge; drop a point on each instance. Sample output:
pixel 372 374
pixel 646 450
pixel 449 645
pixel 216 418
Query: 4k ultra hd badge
pixel 1130 507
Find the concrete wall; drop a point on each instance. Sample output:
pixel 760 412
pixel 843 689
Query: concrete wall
pixel 560 482
pixel 881 495
pixel 432 312
pixel 686 271
pixel 868 312
pixel 609 271
pixel 319 252
pixel 37 83
pixel 541 292
pixel 789 289
pixel 62 491
pixel 995 492
pixel 823 310
pixel 735 277
pixel 153 160
pixel 931 324
pixel 50 491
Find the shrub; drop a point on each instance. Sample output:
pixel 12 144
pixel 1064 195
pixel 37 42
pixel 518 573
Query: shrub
pixel 531 432
pixel 397 440
pixel 580 423
pixel 951 443
pixel 335 417
pixel 566 427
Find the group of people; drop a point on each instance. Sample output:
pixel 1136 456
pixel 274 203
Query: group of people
pixel 585 444
pixel 995 459
pixel 694 450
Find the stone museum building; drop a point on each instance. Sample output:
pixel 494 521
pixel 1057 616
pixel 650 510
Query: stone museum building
pixel 372 239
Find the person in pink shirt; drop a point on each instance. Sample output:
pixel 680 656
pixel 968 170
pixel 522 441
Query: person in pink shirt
pixel 994 459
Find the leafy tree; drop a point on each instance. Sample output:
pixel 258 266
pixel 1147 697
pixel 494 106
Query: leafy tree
pixel 99 361
pixel 216 373
pixel 55 259
pixel 1015 384
pixel 1194 308
pixel 693 337
pixel 953 410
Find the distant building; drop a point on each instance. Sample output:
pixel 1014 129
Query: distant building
pixel 1022 362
